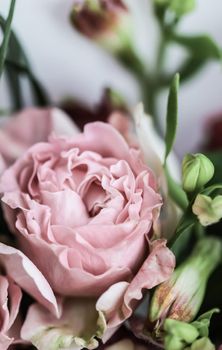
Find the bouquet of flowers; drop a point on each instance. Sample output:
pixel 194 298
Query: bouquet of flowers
pixel 106 241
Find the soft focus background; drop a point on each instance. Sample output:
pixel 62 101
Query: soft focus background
pixel 71 66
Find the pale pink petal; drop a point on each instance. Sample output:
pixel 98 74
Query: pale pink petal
pixel 2 164
pixel 65 279
pixel 77 328
pixel 62 124
pixel 67 208
pixel 15 296
pixel 30 126
pixel 5 342
pixel 110 302
pixel 10 298
pixel 4 311
pixel 124 125
pixel 111 143
pixel 27 276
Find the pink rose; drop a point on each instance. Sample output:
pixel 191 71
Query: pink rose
pixel 82 209
pixel 30 126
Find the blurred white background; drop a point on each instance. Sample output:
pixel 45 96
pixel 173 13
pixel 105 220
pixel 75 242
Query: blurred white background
pixel 70 65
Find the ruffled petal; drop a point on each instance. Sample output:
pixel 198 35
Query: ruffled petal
pixel 118 302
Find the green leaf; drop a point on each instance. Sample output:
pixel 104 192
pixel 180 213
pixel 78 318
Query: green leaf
pixel 5 42
pixel 201 46
pixel 12 75
pixel 171 119
pixel 17 65
pixel 190 67
pixel 208 315
pixel 202 324
pixel 201 49
pixel 186 223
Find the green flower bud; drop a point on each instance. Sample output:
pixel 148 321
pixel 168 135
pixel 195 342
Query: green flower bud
pixel 181 296
pixel 188 336
pixel 208 210
pixel 173 343
pixel 182 330
pixel 201 344
pixel 197 170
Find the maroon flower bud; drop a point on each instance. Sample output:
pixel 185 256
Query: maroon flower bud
pixel 105 21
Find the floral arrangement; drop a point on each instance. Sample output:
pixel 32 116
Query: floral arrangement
pixel 106 241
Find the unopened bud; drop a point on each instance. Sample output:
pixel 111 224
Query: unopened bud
pixel 108 22
pixel 197 170
pixel 180 331
pixel 201 344
pixel 184 336
pixel 181 296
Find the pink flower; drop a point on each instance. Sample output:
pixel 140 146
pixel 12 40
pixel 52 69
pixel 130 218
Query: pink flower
pixel 82 209
pixel 30 126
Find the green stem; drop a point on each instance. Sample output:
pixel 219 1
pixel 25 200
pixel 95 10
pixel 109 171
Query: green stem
pixel 153 86
pixel 129 58
pixel 5 42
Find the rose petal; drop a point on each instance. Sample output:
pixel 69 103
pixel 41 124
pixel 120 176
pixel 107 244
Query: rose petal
pixel 2 164
pixel 111 144
pixel 79 326
pixel 5 342
pixel 62 124
pixel 27 276
pixel 15 296
pixel 39 124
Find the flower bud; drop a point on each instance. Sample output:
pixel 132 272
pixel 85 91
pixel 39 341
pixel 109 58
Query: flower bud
pixel 181 296
pixel 182 330
pixel 178 333
pixel 184 336
pixel 197 170
pixel 208 210
pixel 201 344
pixel 106 21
